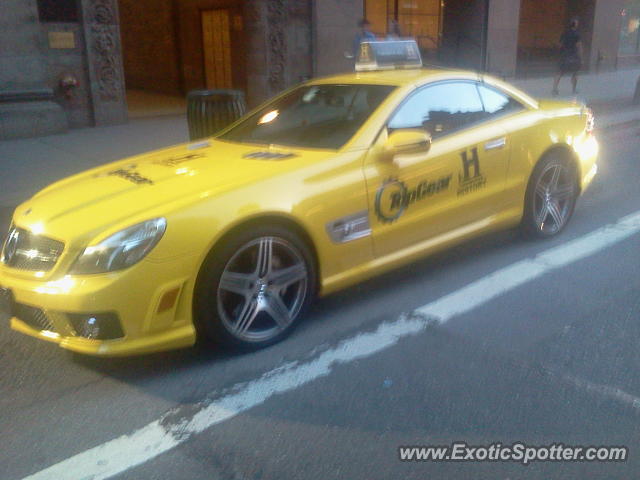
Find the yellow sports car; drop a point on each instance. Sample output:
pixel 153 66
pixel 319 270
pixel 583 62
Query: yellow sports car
pixel 331 182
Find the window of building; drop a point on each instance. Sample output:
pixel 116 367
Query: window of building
pixel 58 11
pixel 630 28
pixel 440 109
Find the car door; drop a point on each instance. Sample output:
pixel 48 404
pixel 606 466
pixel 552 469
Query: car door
pixel 457 185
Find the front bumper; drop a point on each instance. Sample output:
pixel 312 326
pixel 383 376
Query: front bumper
pixel 151 300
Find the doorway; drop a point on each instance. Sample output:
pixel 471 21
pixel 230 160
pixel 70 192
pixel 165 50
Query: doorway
pixel 420 19
pixel 216 44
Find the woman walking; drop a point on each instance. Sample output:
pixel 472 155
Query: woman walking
pixel 570 56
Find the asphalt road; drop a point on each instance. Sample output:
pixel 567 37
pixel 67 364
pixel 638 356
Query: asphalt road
pixel 553 360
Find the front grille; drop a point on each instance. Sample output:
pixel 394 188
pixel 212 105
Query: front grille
pixel 25 251
pixel 32 316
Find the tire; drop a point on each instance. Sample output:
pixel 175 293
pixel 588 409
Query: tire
pixel 551 197
pixel 254 288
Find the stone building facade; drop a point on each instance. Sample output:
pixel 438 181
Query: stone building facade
pixel 68 63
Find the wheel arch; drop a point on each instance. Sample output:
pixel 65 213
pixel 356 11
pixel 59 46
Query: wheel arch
pixel 563 151
pixel 272 218
pixel 261 220
pixel 567 152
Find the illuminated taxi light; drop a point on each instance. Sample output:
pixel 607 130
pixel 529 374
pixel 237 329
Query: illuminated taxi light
pixel 388 55
pixel 57 287
pixel 269 117
pixel 182 171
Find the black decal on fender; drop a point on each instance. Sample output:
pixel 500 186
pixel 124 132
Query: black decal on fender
pixel 393 197
pixel 470 164
pixel 131 175
pixel 175 161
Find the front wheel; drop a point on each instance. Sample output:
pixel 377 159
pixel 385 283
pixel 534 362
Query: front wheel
pixel 253 290
pixel 551 197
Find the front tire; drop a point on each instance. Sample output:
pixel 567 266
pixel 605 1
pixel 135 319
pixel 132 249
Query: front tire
pixel 254 288
pixel 551 197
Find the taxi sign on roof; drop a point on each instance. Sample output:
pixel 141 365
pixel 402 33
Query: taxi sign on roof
pixel 388 55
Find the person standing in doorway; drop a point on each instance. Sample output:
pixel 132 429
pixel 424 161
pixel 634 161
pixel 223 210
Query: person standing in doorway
pixel 364 34
pixel 570 56
pixel 393 31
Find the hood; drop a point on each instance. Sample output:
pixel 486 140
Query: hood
pixel 107 195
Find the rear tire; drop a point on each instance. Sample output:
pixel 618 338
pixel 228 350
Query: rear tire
pixel 254 288
pixel 551 197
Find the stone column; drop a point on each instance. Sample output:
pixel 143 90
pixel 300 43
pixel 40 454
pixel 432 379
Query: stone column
pixel 607 23
pixel 27 106
pixel 104 60
pixel 335 27
pixel 278 46
pixel 502 37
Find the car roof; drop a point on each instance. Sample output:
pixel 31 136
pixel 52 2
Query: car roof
pixel 398 77
pixel 420 76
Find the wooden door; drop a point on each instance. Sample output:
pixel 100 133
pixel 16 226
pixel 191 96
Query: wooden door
pixel 216 38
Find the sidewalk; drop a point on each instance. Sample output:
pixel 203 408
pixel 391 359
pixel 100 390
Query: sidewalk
pixel 57 156
pixel 593 88
pixel 30 164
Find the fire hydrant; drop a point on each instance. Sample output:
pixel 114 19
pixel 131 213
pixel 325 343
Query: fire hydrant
pixel 68 83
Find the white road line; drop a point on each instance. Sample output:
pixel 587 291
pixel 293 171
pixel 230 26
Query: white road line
pixel 605 391
pixel 127 451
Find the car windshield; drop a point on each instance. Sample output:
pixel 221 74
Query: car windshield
pixel 315 116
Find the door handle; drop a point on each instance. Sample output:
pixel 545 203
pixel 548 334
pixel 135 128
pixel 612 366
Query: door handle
pixel 496 143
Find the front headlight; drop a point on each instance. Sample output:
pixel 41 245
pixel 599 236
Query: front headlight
pixel 120 250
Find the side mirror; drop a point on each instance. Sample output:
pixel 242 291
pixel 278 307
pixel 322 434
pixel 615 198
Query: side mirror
pixel 407 141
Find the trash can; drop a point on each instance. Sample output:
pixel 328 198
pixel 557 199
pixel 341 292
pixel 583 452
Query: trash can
pixel 209 111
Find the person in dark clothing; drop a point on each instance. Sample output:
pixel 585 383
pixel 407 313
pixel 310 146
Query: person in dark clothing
pixel 363 35
pixel 570 56
pixel 393 31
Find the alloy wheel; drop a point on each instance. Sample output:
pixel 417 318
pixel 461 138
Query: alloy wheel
pixel 553 200
pixel 262 289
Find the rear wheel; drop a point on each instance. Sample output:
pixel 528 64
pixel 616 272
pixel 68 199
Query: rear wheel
pixel 255 287
pixel 551 197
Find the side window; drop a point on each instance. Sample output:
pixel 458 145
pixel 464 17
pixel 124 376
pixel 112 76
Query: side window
pixel 497 103
pixel 440 109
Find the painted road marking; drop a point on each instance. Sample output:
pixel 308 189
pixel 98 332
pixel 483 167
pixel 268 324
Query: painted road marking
pixel 128 451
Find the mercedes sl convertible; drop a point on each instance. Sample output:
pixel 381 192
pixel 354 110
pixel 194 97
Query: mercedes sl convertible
pixel 333 181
